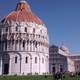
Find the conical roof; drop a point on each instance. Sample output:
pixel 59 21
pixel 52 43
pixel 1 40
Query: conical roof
pixel 22 13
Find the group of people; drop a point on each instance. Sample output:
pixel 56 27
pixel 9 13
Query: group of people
pixel 58 76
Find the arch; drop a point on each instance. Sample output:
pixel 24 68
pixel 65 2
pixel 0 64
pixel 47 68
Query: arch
pixel 26 59
pixel 29 63
pixel 13 57
pixel 38 58
pixel 29 55
pixel 20 60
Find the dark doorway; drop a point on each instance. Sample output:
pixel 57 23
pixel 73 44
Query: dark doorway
pixel 53 70
pixel 6 68
pixel 5 65
pixel 61 68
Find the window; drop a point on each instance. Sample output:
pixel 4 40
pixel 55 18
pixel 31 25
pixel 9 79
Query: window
pixel 16 41
pixel 23 44
pixel 12 42
pixel 27 42
pixel 25 29
pixel 36 44
pixel 16 28
pixel 7 29
pixel 30 42
pixel 39 36
pixel 16 59
pixel 35 59
pixel 6 45
pixel 26 60
pixel 42 60
pixel 34 30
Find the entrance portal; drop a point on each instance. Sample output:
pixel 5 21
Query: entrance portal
pixel 53 70
pixel 6 68
pixel 61 68
pixel 5 64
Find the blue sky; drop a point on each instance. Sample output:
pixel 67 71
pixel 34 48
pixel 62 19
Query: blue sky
pixel 62 18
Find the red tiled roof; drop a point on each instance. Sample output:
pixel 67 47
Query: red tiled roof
pixel 23 13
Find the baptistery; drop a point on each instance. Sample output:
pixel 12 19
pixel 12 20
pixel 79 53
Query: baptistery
pixel 24 44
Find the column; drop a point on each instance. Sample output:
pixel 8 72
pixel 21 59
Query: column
pixel 31 65
pixel 20 45
pixel 27 45
pixel 0 65
pixel 39 65
pixel 20 65
pixel 15 44
pixel 10 66
pixel 32 45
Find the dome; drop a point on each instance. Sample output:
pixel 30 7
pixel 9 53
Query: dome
pixel 22 13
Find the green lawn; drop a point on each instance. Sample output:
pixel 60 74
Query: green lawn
pixel 36 78
pixel 72 78
pixel 25 78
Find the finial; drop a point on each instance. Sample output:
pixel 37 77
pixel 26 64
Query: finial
pixel 23 5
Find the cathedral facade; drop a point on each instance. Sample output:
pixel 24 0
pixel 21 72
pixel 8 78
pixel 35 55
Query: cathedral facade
pixel 61 60
pixel 24 45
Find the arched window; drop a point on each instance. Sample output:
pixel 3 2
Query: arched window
pixel 26 60
pixel 25 29
pixel 35 59
pixel 16 59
